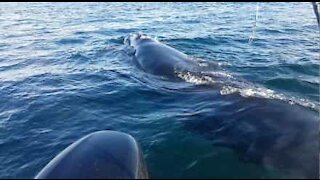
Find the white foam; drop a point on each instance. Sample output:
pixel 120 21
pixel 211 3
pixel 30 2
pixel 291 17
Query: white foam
pixel 188 77
pixel 265 93
pixel 228 90
pixel 221 74
pixel 245 90
pixel 203 64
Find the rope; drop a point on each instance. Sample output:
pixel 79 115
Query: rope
pixel 253 35
pixel 316 12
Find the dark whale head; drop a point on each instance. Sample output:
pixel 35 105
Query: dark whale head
pixel 136 38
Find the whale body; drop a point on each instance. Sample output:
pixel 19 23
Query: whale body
pixel 157 58
pixel 270 132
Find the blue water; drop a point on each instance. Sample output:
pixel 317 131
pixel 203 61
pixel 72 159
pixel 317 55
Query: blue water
pixel 65 72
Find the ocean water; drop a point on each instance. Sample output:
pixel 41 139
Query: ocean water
pixel 66 72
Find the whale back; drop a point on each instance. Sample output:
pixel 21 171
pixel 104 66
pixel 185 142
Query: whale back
pixel 157 58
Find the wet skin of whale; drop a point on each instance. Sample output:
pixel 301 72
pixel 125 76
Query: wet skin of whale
pixel 269 132
pixel 260 130
pixel 157 58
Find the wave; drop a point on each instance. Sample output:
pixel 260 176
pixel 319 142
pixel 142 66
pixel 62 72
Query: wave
pixel 228 85
pixel 268 94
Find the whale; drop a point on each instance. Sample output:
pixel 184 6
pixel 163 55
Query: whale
pixel 159 59
pixel 265 131
pixel 270 133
